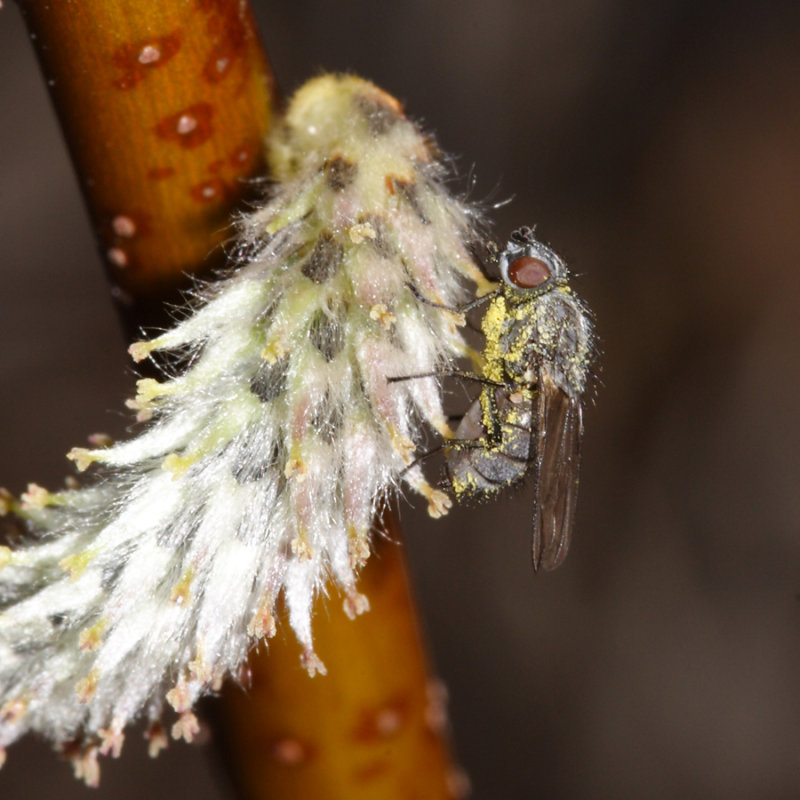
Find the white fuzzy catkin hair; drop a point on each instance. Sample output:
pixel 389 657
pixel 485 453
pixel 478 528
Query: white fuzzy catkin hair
pixel 266 460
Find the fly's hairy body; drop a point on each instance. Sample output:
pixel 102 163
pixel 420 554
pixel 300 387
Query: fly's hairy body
pixel 528 416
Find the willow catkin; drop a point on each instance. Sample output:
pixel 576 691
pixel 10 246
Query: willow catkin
pixel 263 462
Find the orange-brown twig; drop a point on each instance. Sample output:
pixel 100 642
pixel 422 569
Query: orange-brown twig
pixel 375 727
pixel 164 107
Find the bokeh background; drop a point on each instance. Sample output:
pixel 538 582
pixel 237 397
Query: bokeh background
pixel 657 147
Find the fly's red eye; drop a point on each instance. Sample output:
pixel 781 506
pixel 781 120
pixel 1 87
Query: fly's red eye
pixel 528 272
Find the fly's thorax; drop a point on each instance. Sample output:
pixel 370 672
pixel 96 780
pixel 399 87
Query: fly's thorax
pixel 549 329
pixel 517 338
pixel 493 326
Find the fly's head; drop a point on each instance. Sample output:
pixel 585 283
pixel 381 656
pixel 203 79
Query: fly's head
pixel 530 268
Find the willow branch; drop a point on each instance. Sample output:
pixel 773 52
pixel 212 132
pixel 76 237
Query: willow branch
pixel 164 107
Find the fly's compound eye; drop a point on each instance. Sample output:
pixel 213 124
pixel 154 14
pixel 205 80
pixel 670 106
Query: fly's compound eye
pixel 528 272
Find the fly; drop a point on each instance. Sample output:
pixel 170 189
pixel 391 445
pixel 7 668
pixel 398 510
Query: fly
pixel 528 417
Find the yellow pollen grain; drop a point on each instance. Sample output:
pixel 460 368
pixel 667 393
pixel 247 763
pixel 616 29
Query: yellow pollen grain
pixel 301 548
pixel 147 389
pixel 380 313
pixel 139 351
pixel 438 502
pixel 358 546
pixel 143 413
pixel 492 327
pixel 402 445
pixel 82 457
pixel 12 711
pixel 273 352
pixel 355 604
pixel 295 468
pixel 181 591
pixel 112 741
pixel 187 727
pixel 86 688
pixel 36 497
pixel 457 318
pixel 178 697
pixel 75 565
pixel 90 638
pixel 262 625
pixel 157 739
pixel 363 230
pixel 177 465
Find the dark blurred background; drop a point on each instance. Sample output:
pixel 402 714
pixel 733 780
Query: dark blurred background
pixel 657 147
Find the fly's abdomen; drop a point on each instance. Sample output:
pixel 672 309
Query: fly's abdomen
pixel 479 467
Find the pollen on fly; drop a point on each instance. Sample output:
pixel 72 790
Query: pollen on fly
pixel 528 417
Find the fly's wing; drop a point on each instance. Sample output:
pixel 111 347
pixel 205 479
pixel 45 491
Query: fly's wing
pixel 558 457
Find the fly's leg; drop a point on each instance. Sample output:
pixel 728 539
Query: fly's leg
pixel 490 416
pixel 447 373
pixel 458 313
pixel 442 428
